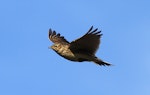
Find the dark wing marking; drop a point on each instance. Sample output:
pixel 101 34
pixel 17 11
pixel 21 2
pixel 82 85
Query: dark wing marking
pixel 56 38
pixel 88 42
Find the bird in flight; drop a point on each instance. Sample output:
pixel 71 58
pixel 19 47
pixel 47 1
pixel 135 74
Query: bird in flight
pixel 79 50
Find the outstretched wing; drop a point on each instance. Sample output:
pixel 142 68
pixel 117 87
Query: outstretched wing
pixel 87 43
pixel 56 38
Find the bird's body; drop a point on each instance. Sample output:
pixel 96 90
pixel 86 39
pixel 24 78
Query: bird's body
pixel 82 49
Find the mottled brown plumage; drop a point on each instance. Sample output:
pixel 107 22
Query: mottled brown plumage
pixel 82 49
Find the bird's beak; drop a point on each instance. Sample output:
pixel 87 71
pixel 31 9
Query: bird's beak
pixel 49 47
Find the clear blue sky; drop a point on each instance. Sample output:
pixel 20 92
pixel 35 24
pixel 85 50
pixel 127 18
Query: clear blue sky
pixel 28 67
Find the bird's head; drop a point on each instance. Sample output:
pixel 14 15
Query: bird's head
pixel 55 47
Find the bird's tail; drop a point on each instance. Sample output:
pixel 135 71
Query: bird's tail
pixel 100 62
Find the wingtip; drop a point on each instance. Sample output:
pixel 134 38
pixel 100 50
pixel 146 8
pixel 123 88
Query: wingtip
pixel 90 29
pixel 95 31
pixel 49 32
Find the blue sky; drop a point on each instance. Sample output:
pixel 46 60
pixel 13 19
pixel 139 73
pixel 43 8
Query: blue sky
pixel 28 67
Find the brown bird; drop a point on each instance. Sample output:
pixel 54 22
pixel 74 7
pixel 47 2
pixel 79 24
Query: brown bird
pixel 82 49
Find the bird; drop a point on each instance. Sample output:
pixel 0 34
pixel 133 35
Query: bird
pixel 79 50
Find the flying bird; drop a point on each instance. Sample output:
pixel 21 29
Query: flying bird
pixel 79 50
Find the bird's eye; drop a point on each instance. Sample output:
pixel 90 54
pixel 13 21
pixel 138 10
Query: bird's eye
pixel 56 45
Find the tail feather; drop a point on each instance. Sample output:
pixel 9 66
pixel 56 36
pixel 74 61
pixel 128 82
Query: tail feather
pixel 101 63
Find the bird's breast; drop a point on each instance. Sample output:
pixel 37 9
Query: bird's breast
pixel 65 52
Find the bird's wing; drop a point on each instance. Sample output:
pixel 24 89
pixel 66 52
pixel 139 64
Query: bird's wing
pixel 88 42
pixel 56 38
